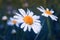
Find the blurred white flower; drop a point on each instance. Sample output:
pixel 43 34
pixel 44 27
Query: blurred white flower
pixel 13 31
pixel 4 18
pixel 13 21
pixel 47 13
pixel 29 20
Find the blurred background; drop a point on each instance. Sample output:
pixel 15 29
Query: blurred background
pixel 50 29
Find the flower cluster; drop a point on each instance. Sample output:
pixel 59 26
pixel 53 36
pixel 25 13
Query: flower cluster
pixel 30 21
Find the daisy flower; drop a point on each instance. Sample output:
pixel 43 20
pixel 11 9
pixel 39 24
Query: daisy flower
pixel 47 13
pixel 13 21
pixel 29 20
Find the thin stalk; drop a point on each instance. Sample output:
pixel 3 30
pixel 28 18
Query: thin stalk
pixel 49 29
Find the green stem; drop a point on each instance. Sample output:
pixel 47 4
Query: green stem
pixel 49 28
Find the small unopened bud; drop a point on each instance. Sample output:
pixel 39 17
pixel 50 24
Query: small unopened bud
pixel 4 18
pixel 13 31
pixel 25 4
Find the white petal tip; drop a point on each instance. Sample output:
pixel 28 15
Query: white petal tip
pixel 24 30
pixel 36 32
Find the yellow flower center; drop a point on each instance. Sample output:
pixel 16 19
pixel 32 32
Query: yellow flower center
pixel 48 12
pixel 14 21
pixel 28 20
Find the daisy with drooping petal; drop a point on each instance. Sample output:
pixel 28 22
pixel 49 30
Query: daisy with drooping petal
pixel 29 20
pixel 12 22
pixel 47 13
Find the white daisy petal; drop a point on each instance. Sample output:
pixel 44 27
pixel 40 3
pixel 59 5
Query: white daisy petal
pixel 36 28
pixel 36 17
pixel 31 13
pixel 47 9
pixel 37 21
pixel 23 25
pixel 28 11
pixel 29 28
pixel 10 23
pixel 22 12
pixel 54 17
pixel 44 15
pixel 19 21
pixel 17 24
pixel 51 11
pixel 40 9
pixel 11 18
pixel 25 28
pixel 17 14
pixel 17 17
